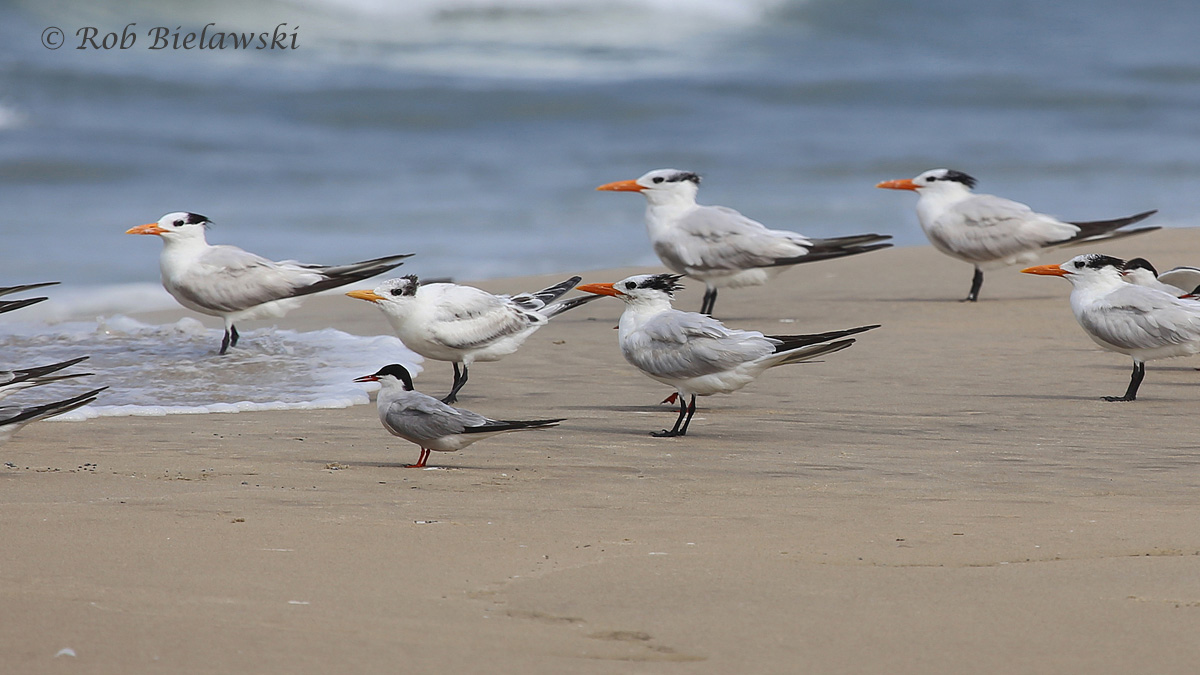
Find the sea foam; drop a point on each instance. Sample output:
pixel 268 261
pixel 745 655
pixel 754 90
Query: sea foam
pixel 174 368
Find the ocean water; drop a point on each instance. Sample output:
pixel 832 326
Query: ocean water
pixel 473 132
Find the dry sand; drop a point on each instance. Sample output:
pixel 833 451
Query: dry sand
pixel 948 496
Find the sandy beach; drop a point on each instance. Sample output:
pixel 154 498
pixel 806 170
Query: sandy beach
pixel 947 496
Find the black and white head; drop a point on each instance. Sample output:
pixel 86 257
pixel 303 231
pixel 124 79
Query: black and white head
pixel 391 293
pixel 639 288
pixel 1083 269
pixel 937 177
pixel 177 226
pixel 390 376
pixel 660 185
pixel 934 180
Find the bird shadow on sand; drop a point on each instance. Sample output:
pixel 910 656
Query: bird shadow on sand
pixel 337 465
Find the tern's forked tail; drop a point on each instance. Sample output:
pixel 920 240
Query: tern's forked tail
pixel 1103 230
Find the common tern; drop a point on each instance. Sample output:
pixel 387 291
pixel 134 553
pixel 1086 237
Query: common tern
pixel 234 284
pixel 13 417
pixel 430 423
pixel 720 246
pixel 992 232
pixel 1144 323
pixel 463 324
pixel 12 381
pixel 695 353
pixel 1180 281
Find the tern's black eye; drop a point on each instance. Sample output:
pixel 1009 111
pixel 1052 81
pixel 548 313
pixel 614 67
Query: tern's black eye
pixel 629 285
pixel 658 179
pixel 1078 264
pixel 929 179
pixel 178 223
pixel 397 292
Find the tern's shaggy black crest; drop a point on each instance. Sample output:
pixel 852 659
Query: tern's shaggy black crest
pixel 684 175
pixel 663 282
pixel 1140 264
pixel 959 177
pixel 399 372
pixel 1097 261
pixel 408 289
pixel 196 219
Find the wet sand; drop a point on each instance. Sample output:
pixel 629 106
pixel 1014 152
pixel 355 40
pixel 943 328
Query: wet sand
pixel 947 496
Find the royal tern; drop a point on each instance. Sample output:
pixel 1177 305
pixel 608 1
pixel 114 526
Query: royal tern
pixel 430 423
pixel 720 246
pixel 233 284
pixel 992 232
pixel 1144 323
pixel 1180 281
pixel 463 324
pixel 12 381
pixel 13 417
pixel 695 353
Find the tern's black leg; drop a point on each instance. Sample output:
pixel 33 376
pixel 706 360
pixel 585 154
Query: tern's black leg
pixel 233 335
pixel 460 378
pixel 225 343
pixel 976 284
pixel 710 299
pixel 1135 381
pixel 678 421
pixel 690 411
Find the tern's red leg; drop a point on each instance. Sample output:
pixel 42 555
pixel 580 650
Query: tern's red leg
pixel 420 462
pixel 672 398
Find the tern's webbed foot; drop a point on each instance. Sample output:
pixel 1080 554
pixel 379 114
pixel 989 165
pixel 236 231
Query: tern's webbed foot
pixel 666 434
pixel 1111 399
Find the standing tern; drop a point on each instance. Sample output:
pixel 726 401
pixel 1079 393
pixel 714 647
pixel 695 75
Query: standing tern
pixel 430 423
pixel 13 417
pixel 233 284
pixel 720 246
pixel 1180 281
pixel 992 232
pixel 463 324
pixel 12 381
pixel 1144 323
pixel 695 353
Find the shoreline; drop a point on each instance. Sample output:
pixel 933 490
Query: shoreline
pixel 948 495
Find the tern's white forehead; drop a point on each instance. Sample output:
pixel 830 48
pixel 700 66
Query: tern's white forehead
pixel 669 178
pixel 649 284
pixel 181 218
pixel 943 177
pixel 396 289
pixel 1093 263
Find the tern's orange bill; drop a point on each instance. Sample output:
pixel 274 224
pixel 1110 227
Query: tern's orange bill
pixel 371 296
pixel 1048 270
pixel 622 186
pixel 367 378
pixel 148 228
pixel 902 184
pixel 599 289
